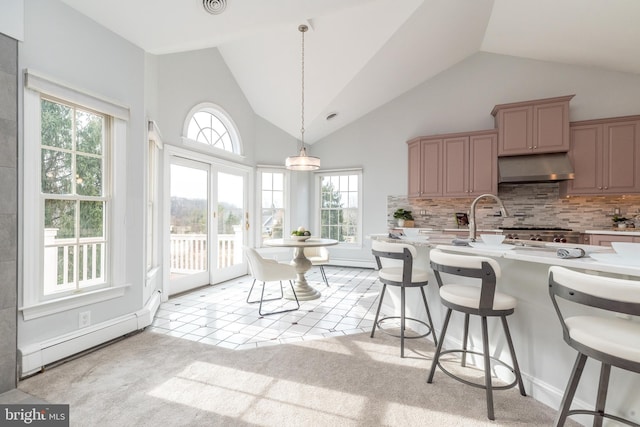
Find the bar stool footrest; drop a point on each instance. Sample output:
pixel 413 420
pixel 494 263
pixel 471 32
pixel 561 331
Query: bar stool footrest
pixel 472 384
pixel 605 415
pixel 380 321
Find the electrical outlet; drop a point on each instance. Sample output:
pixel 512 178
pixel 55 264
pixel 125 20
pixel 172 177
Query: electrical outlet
pixel 84 319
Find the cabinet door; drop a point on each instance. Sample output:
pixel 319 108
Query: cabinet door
pixel 456 166
pixel 483 164
pixel 551 127
pixel 621 158
pixel 413 186
pixel 515 131
pixel 431 168
pixel 606 239
pixel 586 156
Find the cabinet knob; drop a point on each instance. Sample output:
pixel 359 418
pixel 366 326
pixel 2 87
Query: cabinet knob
pixel 599 188
pixel 535 146
pixel 606 188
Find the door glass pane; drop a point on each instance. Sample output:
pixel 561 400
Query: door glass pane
pixel 230 219
pixel 189 225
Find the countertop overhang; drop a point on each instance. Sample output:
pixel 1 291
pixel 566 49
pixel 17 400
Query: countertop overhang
pixel 547 255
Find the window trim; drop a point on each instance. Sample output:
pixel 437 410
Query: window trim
pixel 258 197
pixel 33 302
pixel 317 196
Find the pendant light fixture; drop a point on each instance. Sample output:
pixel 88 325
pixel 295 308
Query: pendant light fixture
pixel 302 162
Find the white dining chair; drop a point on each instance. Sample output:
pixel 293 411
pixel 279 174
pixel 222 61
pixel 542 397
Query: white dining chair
pixel 319 256
pixel 269 270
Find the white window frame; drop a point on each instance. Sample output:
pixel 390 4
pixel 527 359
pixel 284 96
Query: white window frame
pixel 236 141
pixel 153 196
pixel 317 192
pixel 287 205
pixel 34 304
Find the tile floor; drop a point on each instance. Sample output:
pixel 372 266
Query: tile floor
pixel 219 315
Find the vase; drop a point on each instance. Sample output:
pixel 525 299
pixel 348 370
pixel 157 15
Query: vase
pixel 400 222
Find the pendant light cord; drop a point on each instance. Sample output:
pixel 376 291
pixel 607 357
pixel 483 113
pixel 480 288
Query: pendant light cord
pixel 302 29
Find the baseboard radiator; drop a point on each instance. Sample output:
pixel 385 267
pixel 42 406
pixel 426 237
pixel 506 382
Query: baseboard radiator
pixel 35 357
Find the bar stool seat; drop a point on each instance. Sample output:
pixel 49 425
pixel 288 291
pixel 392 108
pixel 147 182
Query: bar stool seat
pixel 394 274
pixel 469 296
pixel 482 300
pixel 613 341
pixel 395 268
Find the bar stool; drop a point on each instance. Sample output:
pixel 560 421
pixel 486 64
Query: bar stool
pixel 481 301
pixel 398 271
pixel 612 341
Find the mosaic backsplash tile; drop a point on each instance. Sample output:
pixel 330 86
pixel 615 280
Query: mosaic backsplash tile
pixel 528 205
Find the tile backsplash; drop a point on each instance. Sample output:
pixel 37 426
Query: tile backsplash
pixel 528 205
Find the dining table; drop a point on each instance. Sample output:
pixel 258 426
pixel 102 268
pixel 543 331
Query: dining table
pixel 303 290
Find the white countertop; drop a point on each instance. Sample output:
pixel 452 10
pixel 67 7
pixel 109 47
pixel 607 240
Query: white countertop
pixel 548 255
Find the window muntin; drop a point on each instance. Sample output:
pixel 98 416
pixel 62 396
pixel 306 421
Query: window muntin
pixel 73 197
pixel 340 207
pixel 210 127
pixel 272 212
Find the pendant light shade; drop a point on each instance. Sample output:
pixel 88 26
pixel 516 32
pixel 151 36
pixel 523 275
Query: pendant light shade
pixel 302 162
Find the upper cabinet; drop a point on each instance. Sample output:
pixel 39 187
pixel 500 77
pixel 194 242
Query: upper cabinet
pixel 425 168
pixel 532 127
pixel 605 155
pixel 453 165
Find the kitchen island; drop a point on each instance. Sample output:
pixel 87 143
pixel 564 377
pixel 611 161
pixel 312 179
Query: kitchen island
pixel 545 359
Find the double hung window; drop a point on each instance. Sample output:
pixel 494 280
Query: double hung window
pixel 272 186
pixel 340 201
pixel 74 197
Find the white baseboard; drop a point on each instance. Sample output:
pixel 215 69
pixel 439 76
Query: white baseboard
pixel 36 356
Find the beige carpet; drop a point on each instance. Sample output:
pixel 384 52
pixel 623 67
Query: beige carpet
pixel 156 380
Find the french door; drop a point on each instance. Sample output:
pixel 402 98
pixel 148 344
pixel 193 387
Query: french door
pixel 207 222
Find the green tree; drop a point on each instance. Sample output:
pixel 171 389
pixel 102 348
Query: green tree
pixel 332 216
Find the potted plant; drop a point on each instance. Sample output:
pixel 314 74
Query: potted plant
pixel 404 217
pixel 619 221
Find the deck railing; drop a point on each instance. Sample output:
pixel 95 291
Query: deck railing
pixel 189 252
pixel 64 259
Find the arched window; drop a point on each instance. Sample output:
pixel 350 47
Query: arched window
pixel 211 126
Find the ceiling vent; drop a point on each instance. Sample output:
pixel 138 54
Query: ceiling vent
pixel 214 7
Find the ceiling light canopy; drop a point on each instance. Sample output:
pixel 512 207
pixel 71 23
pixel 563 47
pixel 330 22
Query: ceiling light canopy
pixel 302 162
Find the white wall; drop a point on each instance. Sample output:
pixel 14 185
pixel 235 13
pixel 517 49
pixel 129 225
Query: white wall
pixel 12 19
pixel 461 99
pixel 68 47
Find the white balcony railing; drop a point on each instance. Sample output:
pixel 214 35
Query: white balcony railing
pixel 189 252
pixel 66 259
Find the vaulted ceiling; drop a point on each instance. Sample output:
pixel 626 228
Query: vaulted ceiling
pixel 360 54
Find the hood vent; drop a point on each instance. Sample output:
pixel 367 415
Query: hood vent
pixel 535 168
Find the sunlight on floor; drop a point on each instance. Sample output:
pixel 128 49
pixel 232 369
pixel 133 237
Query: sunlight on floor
pixel 231 393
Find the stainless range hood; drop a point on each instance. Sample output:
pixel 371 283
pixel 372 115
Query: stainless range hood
pixel 535 168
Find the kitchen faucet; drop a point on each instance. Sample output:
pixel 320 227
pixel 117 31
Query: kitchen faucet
pixel 472 213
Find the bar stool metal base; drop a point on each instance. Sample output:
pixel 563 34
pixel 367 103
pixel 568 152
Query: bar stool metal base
pixel 471 383
pixel 382 328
